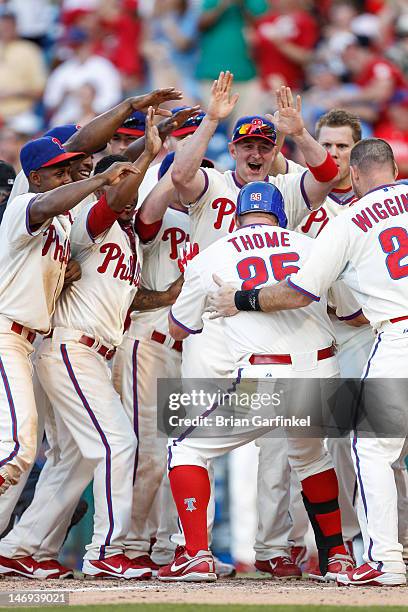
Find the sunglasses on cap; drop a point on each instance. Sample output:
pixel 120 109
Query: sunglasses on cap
pixel 246 129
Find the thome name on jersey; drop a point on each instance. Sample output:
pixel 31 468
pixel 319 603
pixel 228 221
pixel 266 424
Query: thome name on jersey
pixel 256 256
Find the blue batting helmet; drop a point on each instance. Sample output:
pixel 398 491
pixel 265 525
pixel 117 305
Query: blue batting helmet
pixel 262 197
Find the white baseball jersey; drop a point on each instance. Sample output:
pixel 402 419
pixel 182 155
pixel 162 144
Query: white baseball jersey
pixel 367 247
pixel 254 256
pixel 212 215
pixel 160 270
pixel 97 304
pixel 150 180
pixel 32 264
pixel 337 201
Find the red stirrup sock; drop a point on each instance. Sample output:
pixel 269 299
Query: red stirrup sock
pixel 320 495
pixel 190 486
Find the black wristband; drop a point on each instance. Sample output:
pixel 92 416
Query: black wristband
pixel 247 300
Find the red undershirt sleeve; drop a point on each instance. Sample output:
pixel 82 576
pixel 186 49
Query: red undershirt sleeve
pixel 100 218
pixel 146 231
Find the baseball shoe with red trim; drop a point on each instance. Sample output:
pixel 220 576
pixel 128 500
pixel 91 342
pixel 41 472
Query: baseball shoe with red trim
pixel 57 571
pixel 147 561
pixel 365 575
pixel 338 564
pixel 116 566
pixel 298 555
pixel 224 570
pixel 186 568
pixel 23 566
pixel 282 568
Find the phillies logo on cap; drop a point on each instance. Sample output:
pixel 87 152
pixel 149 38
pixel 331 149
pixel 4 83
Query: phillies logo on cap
pixel 256 125
pixel 57 142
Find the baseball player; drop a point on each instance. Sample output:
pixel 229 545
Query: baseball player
pixel 131 129
pixel 280 347
pixel 87 326
pixel 211 197
pixel 148 352
pixel 337 131
pixel 34 236
pixel 370 236
pixel 80 168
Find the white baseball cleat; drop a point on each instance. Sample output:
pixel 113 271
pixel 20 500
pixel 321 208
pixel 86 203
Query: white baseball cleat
pixel 338 564
pixel 185 568
pixel 116 566
pixel 365 575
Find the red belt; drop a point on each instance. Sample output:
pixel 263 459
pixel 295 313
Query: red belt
pixel 88 341
pixel 398 319
pixel 287 359
pixel 161 339
pixel 17 328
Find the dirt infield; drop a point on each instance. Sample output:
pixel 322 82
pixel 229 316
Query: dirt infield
pixel 238 591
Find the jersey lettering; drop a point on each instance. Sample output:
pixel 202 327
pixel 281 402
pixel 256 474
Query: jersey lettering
pixel 176 236
pixel 226 207
pixel 317 216
pixel 260 241
pixel 62 252
pixel 394 241
pixel 364 223
pixel 254 270
pixel 125 271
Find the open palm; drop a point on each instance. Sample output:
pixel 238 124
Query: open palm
pixel 222 100
pixel 153 142
pixel 288 117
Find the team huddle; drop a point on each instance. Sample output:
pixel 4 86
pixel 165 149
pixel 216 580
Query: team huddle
pixel 116 275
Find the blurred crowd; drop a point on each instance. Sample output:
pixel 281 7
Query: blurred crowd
pixel 66 61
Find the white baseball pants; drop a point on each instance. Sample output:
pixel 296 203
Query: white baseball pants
pixel 18 413
pixel 78 384
pixel 373 459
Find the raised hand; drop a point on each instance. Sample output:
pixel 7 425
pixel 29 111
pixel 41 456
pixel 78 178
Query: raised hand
pixel 288 118
pixel 222 101
pixel 155 98
pixel 153 142
pixel 168 125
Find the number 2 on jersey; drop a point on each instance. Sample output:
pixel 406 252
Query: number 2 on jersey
pixel 394 241
pixel 254 270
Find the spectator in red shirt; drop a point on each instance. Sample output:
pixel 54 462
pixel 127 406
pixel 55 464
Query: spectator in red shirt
pixel 284 39
pixel 377 79
pixel 395 130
